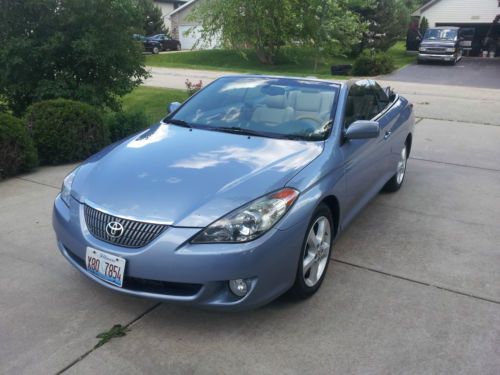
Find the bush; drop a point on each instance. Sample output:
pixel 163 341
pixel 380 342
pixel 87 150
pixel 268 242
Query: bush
pixel 123 124
pixel 368 65
pixel 66 131
pixel 17 151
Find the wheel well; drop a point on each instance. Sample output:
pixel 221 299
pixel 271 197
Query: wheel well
pixel 333 204
pixel 408 143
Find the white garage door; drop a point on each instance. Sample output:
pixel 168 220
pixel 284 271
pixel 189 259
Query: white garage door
pixel 189 35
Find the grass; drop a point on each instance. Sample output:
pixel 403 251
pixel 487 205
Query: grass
pixel 295 61
pixel 152 101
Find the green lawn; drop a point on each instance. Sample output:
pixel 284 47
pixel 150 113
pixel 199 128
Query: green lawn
pixel 290 62
pixel 153 101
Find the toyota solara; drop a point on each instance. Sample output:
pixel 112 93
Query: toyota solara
pixel 237 196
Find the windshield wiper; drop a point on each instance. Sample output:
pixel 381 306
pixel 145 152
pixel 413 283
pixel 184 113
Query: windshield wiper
pixel 237 130
pixel 182 123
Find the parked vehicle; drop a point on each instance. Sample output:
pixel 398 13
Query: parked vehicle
pixel 166 42
pixel 239 194
pixel 150 45
pixel 440 44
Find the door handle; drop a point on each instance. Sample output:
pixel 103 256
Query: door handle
pixel 387 135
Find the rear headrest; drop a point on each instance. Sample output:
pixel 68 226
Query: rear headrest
pixel 307 102
pixel 275 101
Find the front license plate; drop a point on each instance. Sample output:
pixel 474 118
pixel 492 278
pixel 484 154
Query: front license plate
pixel 105 266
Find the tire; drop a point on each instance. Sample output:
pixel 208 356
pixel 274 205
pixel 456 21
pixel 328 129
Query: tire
pixel 317 256
pixel 156 50
pixel 396 181
pixel 178 47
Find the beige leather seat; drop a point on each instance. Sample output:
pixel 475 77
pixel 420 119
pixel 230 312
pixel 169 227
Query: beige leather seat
pixel 311 104
pixel 273 111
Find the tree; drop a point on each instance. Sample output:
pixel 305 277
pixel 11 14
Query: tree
pixel 265 25
pixel 424 25
pixel 152 16
pixel 73 49
pixel 328 26
pixel 387 22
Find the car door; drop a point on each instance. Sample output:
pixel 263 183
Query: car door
pixel 386 120
pixel 364 159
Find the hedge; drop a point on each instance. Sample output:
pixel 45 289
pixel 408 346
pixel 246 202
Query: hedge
pixel 123 124
pixel 66 131
pixel 17 151
pixel 372 65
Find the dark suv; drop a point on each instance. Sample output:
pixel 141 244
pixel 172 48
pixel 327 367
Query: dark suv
pixel 440 44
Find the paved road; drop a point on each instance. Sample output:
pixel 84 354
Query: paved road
pixel 414 284
pixel 469 72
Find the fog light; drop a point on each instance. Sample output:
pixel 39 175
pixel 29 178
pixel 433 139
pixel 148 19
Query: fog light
pixel 238 287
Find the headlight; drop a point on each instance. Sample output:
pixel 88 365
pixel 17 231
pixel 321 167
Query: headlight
pixel 66 187
pixel 451 49
pixel 250 221
pixel 422 49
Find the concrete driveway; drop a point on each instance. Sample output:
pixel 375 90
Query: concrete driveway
pixel 413 288
pixel 468 72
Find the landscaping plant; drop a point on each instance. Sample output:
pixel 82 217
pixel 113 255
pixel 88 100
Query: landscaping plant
pixel 17 151
pixel 66 131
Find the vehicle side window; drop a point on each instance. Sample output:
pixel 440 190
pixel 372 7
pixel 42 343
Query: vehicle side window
pixel 361 103
pixel 381 97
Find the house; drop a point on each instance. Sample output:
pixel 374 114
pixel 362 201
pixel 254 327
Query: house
pixel 167 7
pixel 476 15
pixel 188 31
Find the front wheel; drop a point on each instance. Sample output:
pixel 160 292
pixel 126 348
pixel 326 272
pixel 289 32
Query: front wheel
pixel 395 183
pixel 156 50
pixel 315 254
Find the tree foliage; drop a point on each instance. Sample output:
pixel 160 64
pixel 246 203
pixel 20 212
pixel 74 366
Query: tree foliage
pixel 81 50
pixel 387 21
pixel 268 25
pixel 329 26
pixel 152 17
pixel 265 25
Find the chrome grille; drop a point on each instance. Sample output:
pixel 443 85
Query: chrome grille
pixel 135 233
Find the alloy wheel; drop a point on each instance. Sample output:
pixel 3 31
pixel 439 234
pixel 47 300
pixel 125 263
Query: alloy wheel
pixel 401 169
pixel 317 251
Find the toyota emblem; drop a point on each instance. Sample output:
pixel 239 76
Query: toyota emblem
pixel 114 229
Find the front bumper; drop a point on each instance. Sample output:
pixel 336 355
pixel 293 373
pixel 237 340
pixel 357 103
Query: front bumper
pixel 172 269
pixel 436 57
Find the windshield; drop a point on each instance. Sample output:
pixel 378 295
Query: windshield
pixel 441 34
pixel 269 107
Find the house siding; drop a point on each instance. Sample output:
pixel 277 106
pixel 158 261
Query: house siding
pixel 460 11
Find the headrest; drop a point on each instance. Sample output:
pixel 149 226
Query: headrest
pixel 308 102
pixel 275 101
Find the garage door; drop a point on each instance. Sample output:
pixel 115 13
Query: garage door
pixel 189 35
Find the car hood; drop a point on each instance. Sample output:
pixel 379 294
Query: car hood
pixel 188 177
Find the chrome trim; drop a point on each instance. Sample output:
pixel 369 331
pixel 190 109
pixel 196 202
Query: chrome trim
pixel 95 206
pixel 135 234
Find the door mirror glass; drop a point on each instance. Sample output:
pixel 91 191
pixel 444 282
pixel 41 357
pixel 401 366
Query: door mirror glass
pixel 363 129
pixel 174 106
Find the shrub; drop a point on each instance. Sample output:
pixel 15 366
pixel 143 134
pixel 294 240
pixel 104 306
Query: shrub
pixel 66 131
pixel 193 88
pixel 123 124
pixel 17 151
pixel 371 65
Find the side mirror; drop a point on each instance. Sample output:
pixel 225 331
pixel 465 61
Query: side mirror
pixel 363 130
pixel 174 106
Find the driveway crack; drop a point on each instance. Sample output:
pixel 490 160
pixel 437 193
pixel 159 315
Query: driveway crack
pixel 84 355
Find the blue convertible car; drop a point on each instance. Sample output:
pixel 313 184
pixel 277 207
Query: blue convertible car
pixel 238 195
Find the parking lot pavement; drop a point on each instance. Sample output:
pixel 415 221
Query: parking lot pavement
pixel 413 287
pixel 468 72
